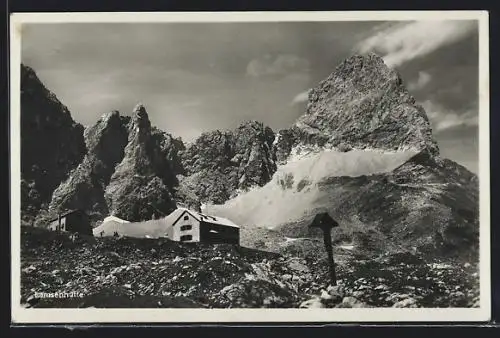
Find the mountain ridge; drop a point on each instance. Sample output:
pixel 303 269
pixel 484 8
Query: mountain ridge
pixel 361 112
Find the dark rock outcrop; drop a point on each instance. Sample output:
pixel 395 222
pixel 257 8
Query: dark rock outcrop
pixel 362 104
pixel 52 144
pixel 220 163
pixel 143 182
pixel 253 154
pixel 84 189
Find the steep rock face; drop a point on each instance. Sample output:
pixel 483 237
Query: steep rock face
pixel 170 149
pixel 427 204
pixel 52 143
pixel 220 163
pixel 362 104
pixel 141 186
pixel 253 154
pixel 84 189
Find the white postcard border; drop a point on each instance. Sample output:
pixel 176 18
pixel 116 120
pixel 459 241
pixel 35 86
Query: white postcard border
pixel 22 315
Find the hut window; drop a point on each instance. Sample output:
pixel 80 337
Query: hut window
pixel 186 217
pixel 186 238
pixel 186 227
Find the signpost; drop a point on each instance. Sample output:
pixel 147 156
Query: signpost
pixel 326 223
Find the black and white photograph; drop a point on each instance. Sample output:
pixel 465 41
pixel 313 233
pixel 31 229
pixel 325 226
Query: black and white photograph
pixel 239 166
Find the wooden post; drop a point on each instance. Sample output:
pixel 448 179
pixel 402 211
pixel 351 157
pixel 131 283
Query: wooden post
pixel 327 238
pixel 326 224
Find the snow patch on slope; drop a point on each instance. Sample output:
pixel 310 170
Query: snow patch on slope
pixel 315 164
pixel 149 229
pixel 293 189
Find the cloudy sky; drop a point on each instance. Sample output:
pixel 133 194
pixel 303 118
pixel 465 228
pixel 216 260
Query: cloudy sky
pixel 195 77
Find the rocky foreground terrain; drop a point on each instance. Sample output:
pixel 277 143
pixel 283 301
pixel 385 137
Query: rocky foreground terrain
pixel 152 273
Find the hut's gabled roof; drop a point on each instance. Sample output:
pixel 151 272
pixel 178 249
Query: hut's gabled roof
pixel 206 218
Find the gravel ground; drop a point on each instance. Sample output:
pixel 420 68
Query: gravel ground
pixel 149 273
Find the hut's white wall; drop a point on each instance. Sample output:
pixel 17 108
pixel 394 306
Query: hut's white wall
pixel 186 220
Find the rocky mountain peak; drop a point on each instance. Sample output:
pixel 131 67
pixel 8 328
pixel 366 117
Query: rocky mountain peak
pixel 52 143
pixel 142 183
pixel 129 170
pixel 219 163
pixel 140 119
pixel 362 104
pixel 140 111
pixel 84 188
pixel 110 116
pixel 358 74
pixel 96 136
pixel 256 130
pixel 357 64
pixel 257 125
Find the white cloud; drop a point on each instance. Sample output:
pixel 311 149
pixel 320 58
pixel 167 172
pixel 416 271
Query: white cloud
pixel 283 64
pixel 301 97
pixel 442 118
pixel 403 42
pixel 423 79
